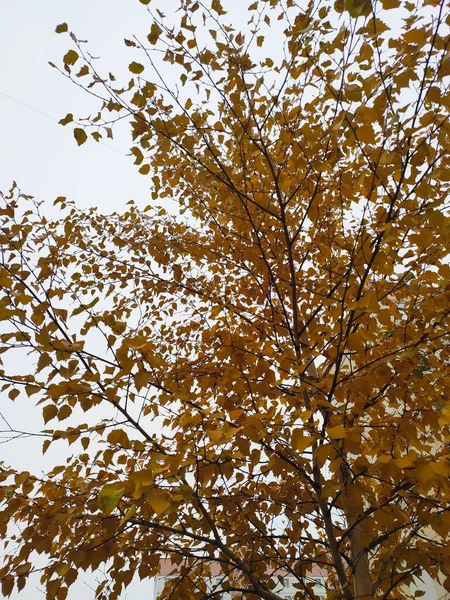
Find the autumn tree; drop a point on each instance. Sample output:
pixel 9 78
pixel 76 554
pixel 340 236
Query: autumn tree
pixel 264 369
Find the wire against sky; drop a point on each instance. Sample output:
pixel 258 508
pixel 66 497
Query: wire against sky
pixel 42 114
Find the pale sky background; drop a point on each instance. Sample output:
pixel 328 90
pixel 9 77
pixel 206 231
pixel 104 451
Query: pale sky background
pixel 45 161
pixel 39 154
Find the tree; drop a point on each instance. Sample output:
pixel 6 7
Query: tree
pixel 265 368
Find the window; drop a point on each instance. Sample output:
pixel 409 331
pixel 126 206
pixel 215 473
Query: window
pixel 319 587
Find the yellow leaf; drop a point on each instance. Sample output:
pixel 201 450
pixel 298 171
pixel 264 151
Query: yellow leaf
pixel 67 119
pixel 136 68
pixel 424 473
pixel 142 379
pixel 62 28
pixel 155 32
pixel 70 58
pixel 369 301
pixel 300 441
pixel 142 480
pixel 404 463
pixel 64 412
pixel 384 458
pixel 353 93
pixel 144 170
pixel 214 435
pixel 83 71
pixel 80 135
pixel 323 453
pixel 358 8
pixel 445 418
pixel 157 501
pixel 441 468
pixel 13 394
pixel 217 6
pixel 49 412
pixel 236 413
pixel 109 497
pixel 23 569
pixel 62 569
pixel 7 585
pixel 186 492
pixel 337 432
pixel 45 360
pixel 5 313
pixel 31 389
pixel 365 133
pixel 138 155
pixel 130 513
pixel 305 415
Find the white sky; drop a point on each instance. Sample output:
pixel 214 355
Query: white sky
pixel 39 154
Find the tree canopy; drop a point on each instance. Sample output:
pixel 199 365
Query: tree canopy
pixel 253 363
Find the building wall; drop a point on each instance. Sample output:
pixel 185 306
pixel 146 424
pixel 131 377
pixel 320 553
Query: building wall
pixel 285 588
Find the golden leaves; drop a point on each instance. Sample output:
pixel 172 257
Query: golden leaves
pixel 80 135
pixel 109 497
pixel 214 435
pixel 338 432
pixel 155 32
pixel 444 419
pixel 139 125
pixel 274 341
pixel 139 157
pixel 222 435
pixel 6 313
pixel 358 8
pixel 300 441
pixel 142 379
pixel 136 68
pixel 158 501
pixel 12 395
pixel 49 412
pixel 7 586
pixel 145 169
pixel 217 7
pixel 67 119
pixel 128 515
pixel 64 412
pixel 23 569
pixel 62 28
pixel 84 70
pixel 142 481
pixel 70 58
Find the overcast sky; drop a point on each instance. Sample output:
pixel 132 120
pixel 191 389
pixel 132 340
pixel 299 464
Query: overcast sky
pixel 39 154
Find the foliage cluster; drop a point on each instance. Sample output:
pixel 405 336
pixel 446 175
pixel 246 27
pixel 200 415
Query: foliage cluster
pixel 270 361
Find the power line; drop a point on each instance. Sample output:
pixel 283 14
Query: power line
pixel 42 114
